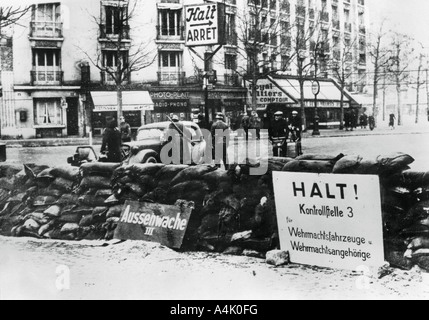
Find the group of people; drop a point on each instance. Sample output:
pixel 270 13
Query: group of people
pixel 251 121
pixel 282 129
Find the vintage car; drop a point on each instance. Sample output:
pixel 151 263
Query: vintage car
pixel 151 138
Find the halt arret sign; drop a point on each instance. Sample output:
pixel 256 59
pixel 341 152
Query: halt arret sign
pixel 153 222
pixel 204 24
pixel 329 220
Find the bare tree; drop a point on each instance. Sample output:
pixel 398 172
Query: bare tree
pixel 402 50
pixel 258 43
pixel 10 15
pixel 380 56
pixel 420 81
pixel 341 65
pixel 123 59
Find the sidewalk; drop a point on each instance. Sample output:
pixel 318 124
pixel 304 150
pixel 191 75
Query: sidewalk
pixel 324 133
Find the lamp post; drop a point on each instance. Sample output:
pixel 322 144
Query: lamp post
pixel 316 89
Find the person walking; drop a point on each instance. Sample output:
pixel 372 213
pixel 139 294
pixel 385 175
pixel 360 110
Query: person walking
pixel 295 127
pixel 220 140
pixel 392 119
pixel 112 141
pixel 256 124
pixel 176 127
pixel 279 132
pixel 246 124
pixel 125 130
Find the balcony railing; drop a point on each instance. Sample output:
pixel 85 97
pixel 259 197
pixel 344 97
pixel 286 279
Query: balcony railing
pixel 113 32
pixel 106 78
pixel 171 78
pixel 170 33
pixel 47 78
pixel 46 29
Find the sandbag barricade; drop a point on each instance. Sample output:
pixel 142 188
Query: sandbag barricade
pixel 234 211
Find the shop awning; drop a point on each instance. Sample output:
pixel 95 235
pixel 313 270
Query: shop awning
pixel 328 90
pixel 131 101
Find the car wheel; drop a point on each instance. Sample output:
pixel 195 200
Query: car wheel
pixel 149 159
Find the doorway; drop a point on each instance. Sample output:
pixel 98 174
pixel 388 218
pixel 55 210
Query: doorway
pixel 72 117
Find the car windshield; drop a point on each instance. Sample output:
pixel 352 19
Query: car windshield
pixel 153 133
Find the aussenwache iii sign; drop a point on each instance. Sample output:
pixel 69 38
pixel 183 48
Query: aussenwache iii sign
pixel 330 220
pixel 153 222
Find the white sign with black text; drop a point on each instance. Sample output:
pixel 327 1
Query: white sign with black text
pixel 329 220
pixel 202 24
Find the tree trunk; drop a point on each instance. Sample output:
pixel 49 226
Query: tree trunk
pixel 398 108
pixel 302 102
pixel 119 100
pixel 342 109
pixel 417 105
pixel 375 95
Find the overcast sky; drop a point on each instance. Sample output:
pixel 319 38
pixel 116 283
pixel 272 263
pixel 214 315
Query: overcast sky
pixel 406 16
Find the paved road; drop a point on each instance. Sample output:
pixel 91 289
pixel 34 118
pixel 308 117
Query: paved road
pixel 417 145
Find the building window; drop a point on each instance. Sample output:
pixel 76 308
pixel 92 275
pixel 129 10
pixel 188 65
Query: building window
pixel 111 59
pixel 114 22
pixel 170 22
pixel 285 62
pixel 45 58
pixel 48 112
pixel 46 20
pixel 230 62
pixel 231 34
pixel 169 60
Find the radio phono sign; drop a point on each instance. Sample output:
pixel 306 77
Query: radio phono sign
pixel 204 24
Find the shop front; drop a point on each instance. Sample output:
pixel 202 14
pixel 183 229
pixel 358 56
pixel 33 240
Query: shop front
pixel 135 106
pixel 169 103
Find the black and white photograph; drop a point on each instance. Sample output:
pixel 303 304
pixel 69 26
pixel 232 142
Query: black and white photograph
pixel 195 152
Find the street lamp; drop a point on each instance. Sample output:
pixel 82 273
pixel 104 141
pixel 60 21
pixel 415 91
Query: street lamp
pixel 318 51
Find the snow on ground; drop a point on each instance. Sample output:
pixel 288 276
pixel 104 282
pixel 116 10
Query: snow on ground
pixel 38 269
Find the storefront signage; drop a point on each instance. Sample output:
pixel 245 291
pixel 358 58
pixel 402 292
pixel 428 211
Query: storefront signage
pixel 153 222
pixel 171 104
pixel 326 104
pixel 173 95
pixel 204 24
pixel 124 108
pixel 267 92
pixel 331 220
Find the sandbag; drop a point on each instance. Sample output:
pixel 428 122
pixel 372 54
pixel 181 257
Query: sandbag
pixel 313 166
pixel 68 199
pixel 419 211
pixel 71 217
pixel 410 178
pixel 44 201
pixel 99 182
pixel 52 192
pixel 8 183
pixel 70 227
pixel 31 224
pixel 62 184
pixel 217 178
pixel 189 186
pixel 320 157
pixel 40 218
pixel 66 172
pixel 146 181
pixel 98 168
pixel 86 221
pixel 141 169
pixel 53 211
pixel 347 164
pixel 92 201
pixel 8 170
pixel 192 173
pixel 137 189
pixel 100 211
pixel 394 162
pixel 46 174
pixel 168 172
pixel 105 193
pixel 114 211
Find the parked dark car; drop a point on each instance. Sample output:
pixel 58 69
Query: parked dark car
pixel 151 138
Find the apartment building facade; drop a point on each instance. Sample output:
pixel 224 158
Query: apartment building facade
pixel 65 55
